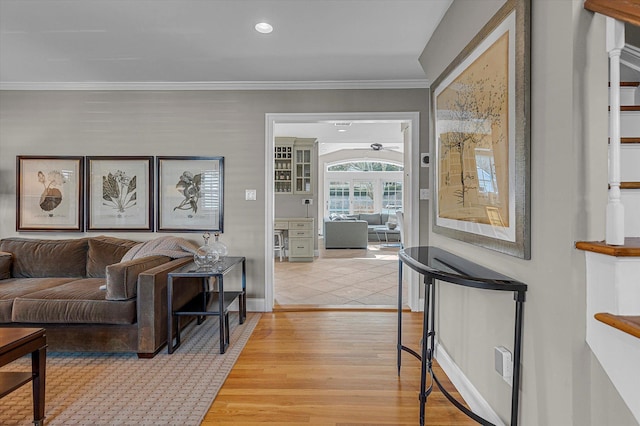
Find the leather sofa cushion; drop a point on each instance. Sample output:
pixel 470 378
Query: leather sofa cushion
pixel 76 302
pixel 33 258
pixel 5 265
pixel 104 251
pixel 16 287
pixel 122 278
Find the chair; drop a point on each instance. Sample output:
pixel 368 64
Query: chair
pixel 400 218
pixel 278 243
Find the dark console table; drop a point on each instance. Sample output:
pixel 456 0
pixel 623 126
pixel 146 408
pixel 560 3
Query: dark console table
pixel 437 264
pixel 213 293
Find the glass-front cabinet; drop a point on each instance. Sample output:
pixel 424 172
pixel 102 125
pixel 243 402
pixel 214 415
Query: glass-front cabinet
pixel 304 169
pixel 293 166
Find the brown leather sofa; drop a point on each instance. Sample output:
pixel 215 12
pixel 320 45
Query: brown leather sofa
pixel 85 298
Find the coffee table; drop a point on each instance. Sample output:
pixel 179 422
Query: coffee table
pixel 16 343
pixel 384 231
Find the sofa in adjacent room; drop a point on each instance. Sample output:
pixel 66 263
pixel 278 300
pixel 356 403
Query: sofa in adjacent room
pixel 345 234
pixel 355 231
pixel 85 297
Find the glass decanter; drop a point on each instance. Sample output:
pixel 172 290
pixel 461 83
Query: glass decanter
pixel 206 256
pixel 219 246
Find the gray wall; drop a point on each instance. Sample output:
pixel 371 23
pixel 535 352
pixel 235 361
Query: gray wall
pixel 227 123
pixel 563 384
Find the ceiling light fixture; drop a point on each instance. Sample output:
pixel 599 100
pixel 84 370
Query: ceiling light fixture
pixel 263 28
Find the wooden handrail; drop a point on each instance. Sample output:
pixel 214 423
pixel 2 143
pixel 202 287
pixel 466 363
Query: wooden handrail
pixel 622 10
pixel 627 323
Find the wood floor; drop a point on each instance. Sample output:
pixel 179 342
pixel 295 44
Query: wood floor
pixel 329 368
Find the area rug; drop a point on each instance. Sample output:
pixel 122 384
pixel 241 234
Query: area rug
pixel 120 389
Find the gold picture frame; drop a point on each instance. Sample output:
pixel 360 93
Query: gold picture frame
pixel 481 137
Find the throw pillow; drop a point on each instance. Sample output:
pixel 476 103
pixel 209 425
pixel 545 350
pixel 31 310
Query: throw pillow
pixel 105 251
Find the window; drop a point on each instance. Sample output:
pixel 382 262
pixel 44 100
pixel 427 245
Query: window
pixel 338 197
pixel 353 187
pixel 391 196
pixel 363 196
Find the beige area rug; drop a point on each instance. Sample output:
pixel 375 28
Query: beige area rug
pixel 120 389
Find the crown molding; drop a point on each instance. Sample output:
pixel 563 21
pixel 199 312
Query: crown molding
pixel 221 85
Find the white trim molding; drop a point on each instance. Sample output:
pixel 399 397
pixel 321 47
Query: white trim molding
pixel 218 85
pixel 467 391
pixel 411 170
pixel 630 57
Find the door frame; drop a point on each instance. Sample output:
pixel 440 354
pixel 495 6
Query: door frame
pixel 411 185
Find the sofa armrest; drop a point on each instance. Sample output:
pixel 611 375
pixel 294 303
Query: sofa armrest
pixel 152 305
pixel 122 277
pixel 345 234
pixel 5 265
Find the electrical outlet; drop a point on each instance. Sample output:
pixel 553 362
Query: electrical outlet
pixel 503 362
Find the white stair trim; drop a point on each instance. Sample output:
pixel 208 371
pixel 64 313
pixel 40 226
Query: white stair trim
pixel 610 288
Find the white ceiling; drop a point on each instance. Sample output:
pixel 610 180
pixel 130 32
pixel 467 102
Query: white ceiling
pixel 138 44
pixel 186 41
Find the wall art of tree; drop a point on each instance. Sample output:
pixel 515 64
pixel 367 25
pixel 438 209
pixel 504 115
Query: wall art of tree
pixel 473 113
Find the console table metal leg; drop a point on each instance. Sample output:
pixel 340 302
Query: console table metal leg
pixel 425 353
pixel 517 348
pixel 399 354
pixel 170 315
pixel 242 301
pixel 223 323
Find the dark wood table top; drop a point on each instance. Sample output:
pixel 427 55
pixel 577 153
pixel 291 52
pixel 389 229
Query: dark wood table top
pixel 13 337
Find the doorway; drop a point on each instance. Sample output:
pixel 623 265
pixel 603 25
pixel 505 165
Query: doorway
pixel 410 124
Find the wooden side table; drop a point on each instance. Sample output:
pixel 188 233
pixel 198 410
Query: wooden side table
pixel 16 343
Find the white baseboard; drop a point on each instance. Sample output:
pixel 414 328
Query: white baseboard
pixel 466 389
pixel 253 305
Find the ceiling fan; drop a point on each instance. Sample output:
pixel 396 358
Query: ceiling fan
pixel 379 147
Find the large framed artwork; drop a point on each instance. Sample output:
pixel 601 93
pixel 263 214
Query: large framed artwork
pixel 49 193
pixel 190 194
pixel 119 193
pixel 481 133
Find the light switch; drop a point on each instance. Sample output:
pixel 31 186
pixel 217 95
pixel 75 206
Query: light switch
pixel 424 193
pixel 250 194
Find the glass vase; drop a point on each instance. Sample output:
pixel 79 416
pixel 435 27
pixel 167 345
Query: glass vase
pixel 219 246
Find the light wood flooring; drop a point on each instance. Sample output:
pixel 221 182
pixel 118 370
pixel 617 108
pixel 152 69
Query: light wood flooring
pixel 329 368
pixel 340 278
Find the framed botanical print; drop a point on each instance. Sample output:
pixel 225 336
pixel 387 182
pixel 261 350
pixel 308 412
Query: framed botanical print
pixel 49 193
pixel 190 194
pixel 119 193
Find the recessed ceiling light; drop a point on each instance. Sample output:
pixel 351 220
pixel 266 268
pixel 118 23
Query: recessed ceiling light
pixel 263 27
pixel 342 130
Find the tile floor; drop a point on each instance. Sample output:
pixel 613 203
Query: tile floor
pixel 342 278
